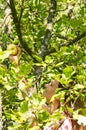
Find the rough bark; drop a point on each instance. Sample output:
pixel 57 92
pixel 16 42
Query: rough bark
pixel 49 28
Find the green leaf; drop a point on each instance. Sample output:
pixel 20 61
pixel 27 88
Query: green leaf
pixel 43 116
pixel 4 38
pixel 37 58
pixel 68 71
pixel 4 55
pixel 59 64
pixel 35 2
pixel 24 106
pixel 25 68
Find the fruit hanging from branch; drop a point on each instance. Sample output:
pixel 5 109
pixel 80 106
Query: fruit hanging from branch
pixel 15 53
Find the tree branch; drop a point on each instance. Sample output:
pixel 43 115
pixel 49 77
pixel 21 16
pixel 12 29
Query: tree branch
pixel 18 28
pixel 38 70
pixel 52 50
pixel 21 11
pixel 49 28
pixel 61 36
pixel 76 39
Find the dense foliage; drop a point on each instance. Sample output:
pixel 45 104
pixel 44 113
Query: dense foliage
pixel 51 37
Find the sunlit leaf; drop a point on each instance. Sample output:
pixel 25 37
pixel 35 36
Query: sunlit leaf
pixel 24 106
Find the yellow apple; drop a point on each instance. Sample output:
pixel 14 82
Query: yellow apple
pixel 13 49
